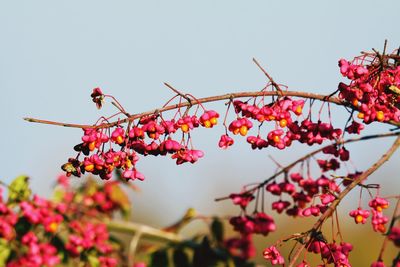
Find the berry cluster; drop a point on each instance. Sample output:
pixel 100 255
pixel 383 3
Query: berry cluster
pixel 8 219
pixel 242 247
pixel 286 130
pixel 40 211
pixel 37 253
pixel 374 88
pixel 338 254
pixel 88 236
pixel 36 212
pixel 107 149
pixel 374 92
pixel 332 252
pixel 258 223
pixel 379 220
pixel 304 190
pixel 303 193
pixel 247 225
pixel 48 232
pixel 394 235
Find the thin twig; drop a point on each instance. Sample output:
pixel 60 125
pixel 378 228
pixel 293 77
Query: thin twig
pixel 275 161
pixel 178 92
pixel 274 84
pixel 391 56
pixel 120 109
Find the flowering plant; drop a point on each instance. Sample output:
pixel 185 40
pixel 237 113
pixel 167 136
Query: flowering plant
pixel 273 118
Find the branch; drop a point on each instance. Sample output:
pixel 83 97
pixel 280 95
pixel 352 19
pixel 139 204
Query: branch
pixel 133 244
pixel 133 117
pixel 391 56
pixel 336 202
pixel 140 231
pixel 334 100
pixel 145 231
pixel 291 165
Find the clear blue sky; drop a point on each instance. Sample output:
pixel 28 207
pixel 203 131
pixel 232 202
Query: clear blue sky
pixel 52 53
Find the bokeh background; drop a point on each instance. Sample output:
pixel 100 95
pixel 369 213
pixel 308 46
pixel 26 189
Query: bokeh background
pixel 53 53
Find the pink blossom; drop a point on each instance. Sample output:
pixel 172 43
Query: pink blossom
pixel 225 141
pixel 273 255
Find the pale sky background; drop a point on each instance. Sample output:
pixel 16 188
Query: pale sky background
pixel 53 53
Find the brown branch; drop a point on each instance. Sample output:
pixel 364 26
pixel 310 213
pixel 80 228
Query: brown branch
pixel 336 202
pixel 133 117
pixel 291 165
pixel 334 100
pixel 391 56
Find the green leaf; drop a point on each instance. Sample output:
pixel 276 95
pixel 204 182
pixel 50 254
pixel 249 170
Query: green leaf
pixel 159 259
pixel 242 263
pixel 191 244
pixel 222 264
pixel 217 230
pixel 58 195
pixel 122 180
pixel 57 242
pixel 19 189
pixel 204 255
pixel 181 259
pixel 187 218
pixel 118 196
pixel 93 261
pixel 22 226
pixel 116 241
pixel 5 252
pixel 230 263
pixel 90 187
